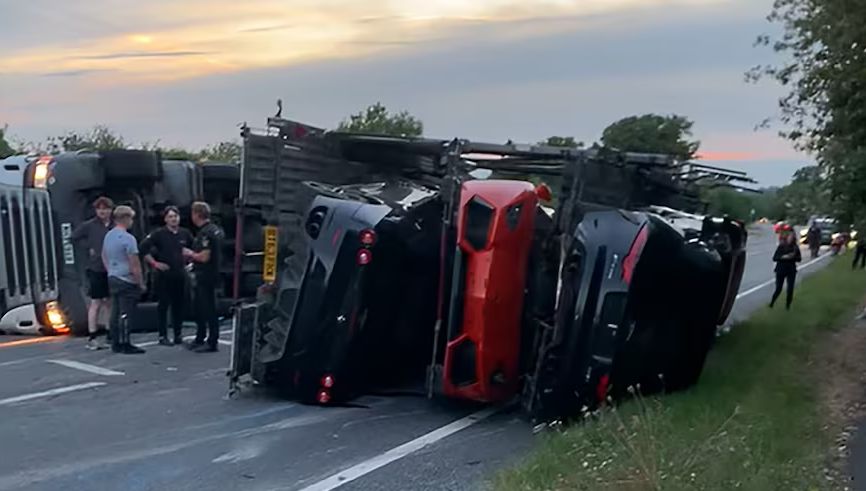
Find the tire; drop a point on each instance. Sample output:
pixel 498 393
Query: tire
pixel 131 164
pixel 146 318
pixel 220 172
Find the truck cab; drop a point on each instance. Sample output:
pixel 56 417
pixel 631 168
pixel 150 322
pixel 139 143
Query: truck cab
pixel 29 271
pixel 146 182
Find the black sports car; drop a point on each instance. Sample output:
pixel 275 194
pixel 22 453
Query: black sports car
pixel 366 305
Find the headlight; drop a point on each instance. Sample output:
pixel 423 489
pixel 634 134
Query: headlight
pixel 56 318
pixel 40 172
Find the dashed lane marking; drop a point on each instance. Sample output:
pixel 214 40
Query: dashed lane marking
pixel 397 453
pixel 49 393
pixel 187 338
pixel 84 367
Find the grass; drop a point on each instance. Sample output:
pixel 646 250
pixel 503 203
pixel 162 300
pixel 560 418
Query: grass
pixel 753 422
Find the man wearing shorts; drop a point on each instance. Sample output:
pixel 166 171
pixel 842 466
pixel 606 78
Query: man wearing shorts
pixel 90 235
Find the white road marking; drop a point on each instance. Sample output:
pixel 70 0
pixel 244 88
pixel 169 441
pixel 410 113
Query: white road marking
pixel 224 342
pixel 49 393
pixel 84 367
pixel 397 453
pixel 773 281
pixel 187 338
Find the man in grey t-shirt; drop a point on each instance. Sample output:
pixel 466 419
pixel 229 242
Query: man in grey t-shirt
pixel 90 235
pixel 125 278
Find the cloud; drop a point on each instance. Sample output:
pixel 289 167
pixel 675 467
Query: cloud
pixel 491 76
pixel 279 27
pixel 261 33
pixel 727 156
pixel 144 54
pixel 74 73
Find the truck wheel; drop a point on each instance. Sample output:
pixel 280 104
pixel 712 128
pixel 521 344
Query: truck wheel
pixel 221 172
pixel 131 164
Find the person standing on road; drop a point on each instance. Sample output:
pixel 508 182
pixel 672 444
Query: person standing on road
pixel 813 238
pixel 787 256
pixel 125 279
pixel 860 248
pixel 205 258
pixel 163 251
pixel 90 234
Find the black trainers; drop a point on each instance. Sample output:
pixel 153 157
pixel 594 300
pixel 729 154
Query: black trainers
pixel 178 339
pixel 205 348
pixel 131 349
pixel 163 341
pixel 194 345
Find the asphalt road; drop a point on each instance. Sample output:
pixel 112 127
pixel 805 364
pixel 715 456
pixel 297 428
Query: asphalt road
pixel 78 420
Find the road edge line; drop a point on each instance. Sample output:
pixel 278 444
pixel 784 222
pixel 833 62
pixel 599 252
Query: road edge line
pixel 770 282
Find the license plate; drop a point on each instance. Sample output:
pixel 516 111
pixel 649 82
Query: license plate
pixel 269 270
pixel 68 250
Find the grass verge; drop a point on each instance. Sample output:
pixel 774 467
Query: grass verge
pixel 755 421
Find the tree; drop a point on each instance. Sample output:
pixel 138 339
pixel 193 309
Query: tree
pixel 6 149
pixel 652 133
pixel 377 120
pixel 824 110
pixel 98 138
pixel 563 141
pixel 226 151
pixel 731 202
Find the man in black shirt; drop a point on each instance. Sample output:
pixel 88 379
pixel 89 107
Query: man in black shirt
pixel 163 251
pixel 90 234
pixel 205 258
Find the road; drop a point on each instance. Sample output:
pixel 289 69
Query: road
pixel 78 420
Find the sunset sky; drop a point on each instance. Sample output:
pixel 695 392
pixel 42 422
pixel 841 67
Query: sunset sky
pixel 187 72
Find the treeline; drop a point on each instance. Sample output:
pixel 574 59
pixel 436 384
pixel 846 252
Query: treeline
pixel 650 133
pixel 821 46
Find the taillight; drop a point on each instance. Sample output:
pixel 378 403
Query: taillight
pixel 328 381
pixel 543 192
pixel 601 389
pixel 630 260
pixel 364 257
pixel 323 397
pixel 367 237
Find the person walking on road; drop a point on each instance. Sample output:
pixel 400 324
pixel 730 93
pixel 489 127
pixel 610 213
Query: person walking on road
pixel 813 238
pixel 787 256
pixel 163 251
pixel 860 248
pixel 125 279
pixel 205 258
pixel 90 234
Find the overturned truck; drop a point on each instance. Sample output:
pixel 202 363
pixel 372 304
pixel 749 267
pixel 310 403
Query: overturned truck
pixel 433 264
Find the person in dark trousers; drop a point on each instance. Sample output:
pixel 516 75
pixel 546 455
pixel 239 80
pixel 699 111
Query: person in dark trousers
pixel 90 235
pixel 813 238
pixel 787 256
pixel 860 248
pixel 859 255
pixel 163 251
pixel 125 279
pixel 205 259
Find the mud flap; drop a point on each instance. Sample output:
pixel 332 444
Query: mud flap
pixel 243 346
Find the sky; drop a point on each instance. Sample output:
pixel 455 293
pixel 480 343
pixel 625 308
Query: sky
pixel 189 72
